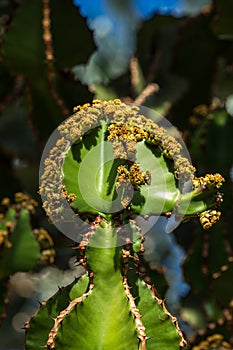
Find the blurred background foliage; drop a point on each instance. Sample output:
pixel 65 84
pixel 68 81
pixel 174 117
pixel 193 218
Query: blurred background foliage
pixel 173 56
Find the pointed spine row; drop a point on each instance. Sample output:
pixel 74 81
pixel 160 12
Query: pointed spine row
pixel 59 319
pixel 173 318
pixel 141 330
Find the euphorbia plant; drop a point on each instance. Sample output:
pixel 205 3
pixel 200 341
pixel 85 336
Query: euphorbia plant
pixel 105 172
pixel 22 248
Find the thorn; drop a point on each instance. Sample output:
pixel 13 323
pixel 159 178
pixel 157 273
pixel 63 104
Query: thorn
pixel 71 246
pixel 52 318
pixel 41 303
pixel 151 337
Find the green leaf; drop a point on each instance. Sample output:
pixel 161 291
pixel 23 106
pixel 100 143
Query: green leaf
pixel 90 172
pixel 42 322
pixel 160 196
pixel 25 250
pixel 192 203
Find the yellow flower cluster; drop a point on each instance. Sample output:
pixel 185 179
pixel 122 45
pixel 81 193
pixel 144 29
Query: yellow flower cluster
pixel 184 171
pixel 134 175
pixel 22 201
pixel 209 217
pixel 46 245
pixel 4 242
pixel 126 127
pixel 214 341
pixel 209 181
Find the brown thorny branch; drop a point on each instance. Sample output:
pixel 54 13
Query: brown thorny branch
pixel 49 56
pixel 148 91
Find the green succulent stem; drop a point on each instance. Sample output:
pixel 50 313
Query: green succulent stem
pixel 196 201
pixel 103 254
pixel 110 325
pixel 111 163
pixel 110 307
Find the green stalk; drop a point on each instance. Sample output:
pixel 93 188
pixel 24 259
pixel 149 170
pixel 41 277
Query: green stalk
pixel 103 320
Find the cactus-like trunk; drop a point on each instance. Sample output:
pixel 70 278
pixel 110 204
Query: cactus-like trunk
pixel 109 169
pixel 117 309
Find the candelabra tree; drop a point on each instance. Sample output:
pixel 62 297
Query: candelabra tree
pixel 107 172
pixel 21 246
